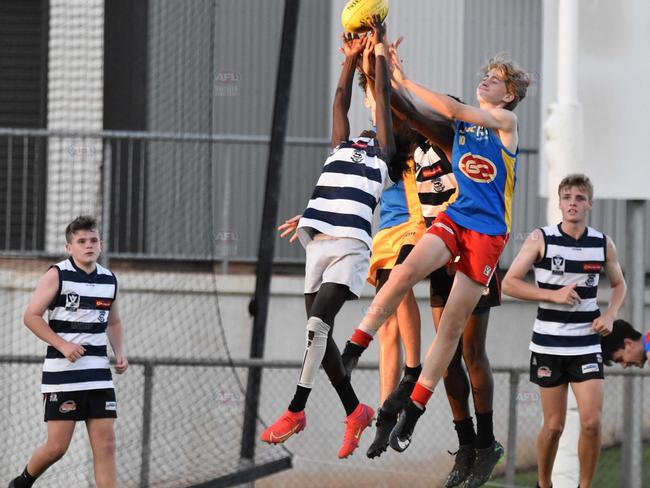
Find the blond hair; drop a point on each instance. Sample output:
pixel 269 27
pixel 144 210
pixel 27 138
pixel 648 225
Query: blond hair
pixel 517 80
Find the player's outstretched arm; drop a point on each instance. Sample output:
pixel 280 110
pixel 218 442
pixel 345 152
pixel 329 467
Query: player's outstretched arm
pixel 44 294
pixel 385 134
pixel 352 47
pixel 493 118
pixel 114 333
pixel 603 324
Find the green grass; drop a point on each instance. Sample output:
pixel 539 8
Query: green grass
pixel 608 471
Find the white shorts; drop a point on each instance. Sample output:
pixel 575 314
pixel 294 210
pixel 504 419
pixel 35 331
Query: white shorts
pixel 342 260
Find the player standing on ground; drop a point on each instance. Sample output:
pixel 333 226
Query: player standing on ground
pixel 335 230
pixel 77 384
pixel 565 348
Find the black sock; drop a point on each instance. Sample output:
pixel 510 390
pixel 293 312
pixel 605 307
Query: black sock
pixel 465 431
pixel 347 395
pixel 412 373
pixel 352 349
pixel 484 430
pixel 25 480
pixel 299 399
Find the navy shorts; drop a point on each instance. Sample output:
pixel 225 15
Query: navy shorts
pixel 80 405
pixel 548 370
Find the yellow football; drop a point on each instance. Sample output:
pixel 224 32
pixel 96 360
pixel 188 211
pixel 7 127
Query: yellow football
pixel 356 13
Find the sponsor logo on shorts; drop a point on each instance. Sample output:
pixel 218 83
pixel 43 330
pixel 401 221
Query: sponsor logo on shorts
pixel 534 361
pixel 591 267
pixel 103 304
pixel 477 168
pixel 487 271
pixel 590 368
pixel 599 358
pixel 67 407
pixel 557 265
pixel 52 397
pixel 111 406
pixel 544 372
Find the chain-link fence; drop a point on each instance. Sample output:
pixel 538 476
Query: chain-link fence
pixel 167 434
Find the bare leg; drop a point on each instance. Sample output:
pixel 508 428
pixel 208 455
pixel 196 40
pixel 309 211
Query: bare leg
pixel 59 435
pixel 465 294
pixel 554 402
pixel 455 379
pixel 408 320
pixel 390 357
pixel 429 254
pixel 589 397
pixel 102 442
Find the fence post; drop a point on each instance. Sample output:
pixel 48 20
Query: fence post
pixel 146 425
pixel 511 451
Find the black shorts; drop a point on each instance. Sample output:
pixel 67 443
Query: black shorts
pixel 440 285
pixel 80 405
pixel 548 370
pixel 381 277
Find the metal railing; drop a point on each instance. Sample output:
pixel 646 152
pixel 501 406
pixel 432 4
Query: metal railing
pixel 514 400
pixel 152 189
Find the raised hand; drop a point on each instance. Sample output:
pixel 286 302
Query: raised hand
pixel 397 71
pixel 353 44
pixel 378 28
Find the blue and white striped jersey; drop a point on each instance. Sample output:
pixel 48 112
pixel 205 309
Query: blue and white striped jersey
pixel 565 330
pixel 347 192
pixel 79 314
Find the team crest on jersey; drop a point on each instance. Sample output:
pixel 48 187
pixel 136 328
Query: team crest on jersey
pixel 557 265
pixel 438 185
pixel 477 168
pixel 591 280
pixel 357 156
pixel 72 300
pixel 102 316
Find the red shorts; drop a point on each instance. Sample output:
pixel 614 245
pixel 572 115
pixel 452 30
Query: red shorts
pixel 479 252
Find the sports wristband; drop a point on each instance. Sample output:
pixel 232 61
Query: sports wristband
pixel 646 343
pixel 379 50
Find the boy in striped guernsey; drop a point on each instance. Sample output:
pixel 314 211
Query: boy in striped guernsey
pixel 335 231
pixel 565 349
pixel 80 296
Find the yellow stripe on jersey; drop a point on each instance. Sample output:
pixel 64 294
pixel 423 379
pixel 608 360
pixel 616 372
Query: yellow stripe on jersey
pixel 509 190
pixel 411 193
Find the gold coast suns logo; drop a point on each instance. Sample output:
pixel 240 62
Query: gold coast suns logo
pixel 477 168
